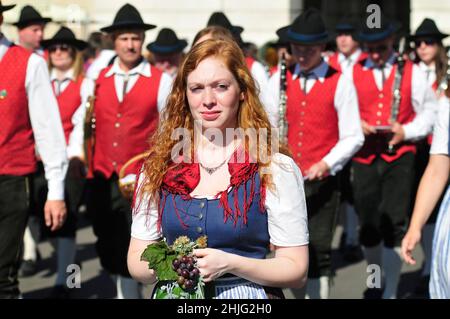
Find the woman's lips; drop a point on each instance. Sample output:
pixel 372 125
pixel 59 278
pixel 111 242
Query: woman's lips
pixel 210 116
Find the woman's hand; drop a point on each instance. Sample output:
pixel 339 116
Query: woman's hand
pixel 212 263
pixel 409 242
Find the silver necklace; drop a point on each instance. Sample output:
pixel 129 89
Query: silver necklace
pixel 212 170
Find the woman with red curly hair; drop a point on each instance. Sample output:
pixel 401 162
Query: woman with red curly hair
pixel 204 177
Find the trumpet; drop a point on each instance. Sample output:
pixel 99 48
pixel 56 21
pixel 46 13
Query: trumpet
pixel 127 184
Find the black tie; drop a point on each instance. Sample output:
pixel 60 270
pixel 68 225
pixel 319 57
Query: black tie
pixel 125 83
pixel 383 77
pixel 305 76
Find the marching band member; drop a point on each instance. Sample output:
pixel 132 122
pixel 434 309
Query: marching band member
pixel 323 134
pixel 30 116
pixel 384 167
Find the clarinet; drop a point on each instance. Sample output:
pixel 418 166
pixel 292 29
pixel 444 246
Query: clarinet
pixel 443 84
pixel 396 89
pixel 89 134
pixel 282 123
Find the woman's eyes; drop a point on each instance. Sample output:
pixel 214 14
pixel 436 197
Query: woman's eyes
pixel 221 87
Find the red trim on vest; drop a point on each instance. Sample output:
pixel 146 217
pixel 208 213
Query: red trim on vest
pixel 17 155
pixel 249 61
pixel 69 101
pixel 123 129
pixel 375 109
pixel 312 119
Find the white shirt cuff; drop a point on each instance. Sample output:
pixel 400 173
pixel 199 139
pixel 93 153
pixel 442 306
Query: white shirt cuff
pixel 55 190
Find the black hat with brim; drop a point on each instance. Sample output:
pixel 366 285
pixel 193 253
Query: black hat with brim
pixel 29 16
pixel 428 29
pixel 282 36
pixel 64 36
pixel 6 8
pixel 220 19
pixel 384 30
pixel 167 42
pixel 345 24
pixel 308 28
pixel 128 18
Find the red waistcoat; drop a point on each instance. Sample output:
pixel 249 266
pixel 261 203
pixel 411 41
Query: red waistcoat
pixel 312 119
pixel 333 60
pixel 123 129
pixel 16 136
pixel 69 101
pixel 375 109
pixel 249 61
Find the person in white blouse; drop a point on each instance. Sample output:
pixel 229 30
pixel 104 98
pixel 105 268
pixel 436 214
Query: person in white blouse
pixel 324 132
pixel 129 95
pixel 383 170
pixel 205 194
pixel 431 58
pixel 432 185
pixel 30 115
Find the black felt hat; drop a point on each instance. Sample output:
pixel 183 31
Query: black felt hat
pixel 220 19
pixel 428 29
pixel 307 28
pixel 64 36
pixel 167 42
pixel 29 16
pixel 5 8
pixel 128 18
pixel 369 33
pixel 346 24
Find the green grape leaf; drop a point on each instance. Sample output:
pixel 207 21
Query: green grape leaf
pixel 160 258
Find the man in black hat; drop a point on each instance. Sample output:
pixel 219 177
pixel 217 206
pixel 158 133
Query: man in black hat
pixel 167 51
pixel 31 29
pixel 323 134
pixel 382 176
pixel 30 115
pixel 256 68
pixel 129 94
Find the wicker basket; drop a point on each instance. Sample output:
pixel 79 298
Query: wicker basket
pixel 127 188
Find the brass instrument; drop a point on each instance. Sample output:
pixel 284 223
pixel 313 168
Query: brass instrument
pixel 127 187
pixel 282 123
pixel 443 84
pixel 396 89
pixel 89 134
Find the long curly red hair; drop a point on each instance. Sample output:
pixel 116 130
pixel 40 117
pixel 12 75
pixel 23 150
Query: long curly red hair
pixel 176 114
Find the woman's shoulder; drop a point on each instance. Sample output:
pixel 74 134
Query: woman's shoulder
pixel 284 164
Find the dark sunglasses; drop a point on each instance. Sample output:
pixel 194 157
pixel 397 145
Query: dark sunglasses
pixel 418 43
pixel 379 48
pixel 60 47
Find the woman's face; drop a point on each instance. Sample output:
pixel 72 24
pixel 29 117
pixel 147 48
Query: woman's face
pixel 60 55
pixel 426 50
pixel 213 94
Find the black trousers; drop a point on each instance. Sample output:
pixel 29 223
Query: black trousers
pixel 73 190
pixel 322 202
pixel 14 205
pixel 382 193
pixel 111 217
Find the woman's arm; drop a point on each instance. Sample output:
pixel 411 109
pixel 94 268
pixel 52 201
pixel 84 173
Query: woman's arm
pixel 138 268
pixel 430 189
pixel 288 268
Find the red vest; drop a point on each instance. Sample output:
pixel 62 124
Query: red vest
pixel 375 109
pixel 16 136
pixel 123 129
pixel 333 60
pixel 312 119
pixel 69 101
pixel 249 61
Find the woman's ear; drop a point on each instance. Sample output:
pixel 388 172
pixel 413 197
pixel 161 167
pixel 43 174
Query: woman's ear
pixel 241 96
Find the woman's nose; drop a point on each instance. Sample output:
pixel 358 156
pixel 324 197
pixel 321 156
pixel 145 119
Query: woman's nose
pixel 209 98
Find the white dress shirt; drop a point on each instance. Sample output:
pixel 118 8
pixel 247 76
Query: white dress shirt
pixel 45 121
pixel 99 63
pixel 285 205
pixel 440 133
pixel 423 99
pixel 430 72
pixel 351 137
pixel 347 63
pixel 75 146
pixel 262 81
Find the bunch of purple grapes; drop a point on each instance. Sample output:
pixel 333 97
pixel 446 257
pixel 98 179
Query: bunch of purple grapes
pixel 187 271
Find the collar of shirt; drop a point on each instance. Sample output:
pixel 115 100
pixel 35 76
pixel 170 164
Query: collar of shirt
pixel 319 72
pixel 142 68
pixel 387 65
pixel 352 58
pixel 426 68
pixel 67 76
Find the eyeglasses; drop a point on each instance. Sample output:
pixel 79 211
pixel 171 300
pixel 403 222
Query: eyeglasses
pixel 418 43
pixel 379 48
pixel 60 47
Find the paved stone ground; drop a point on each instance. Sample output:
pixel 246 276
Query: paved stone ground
pixel 349 282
